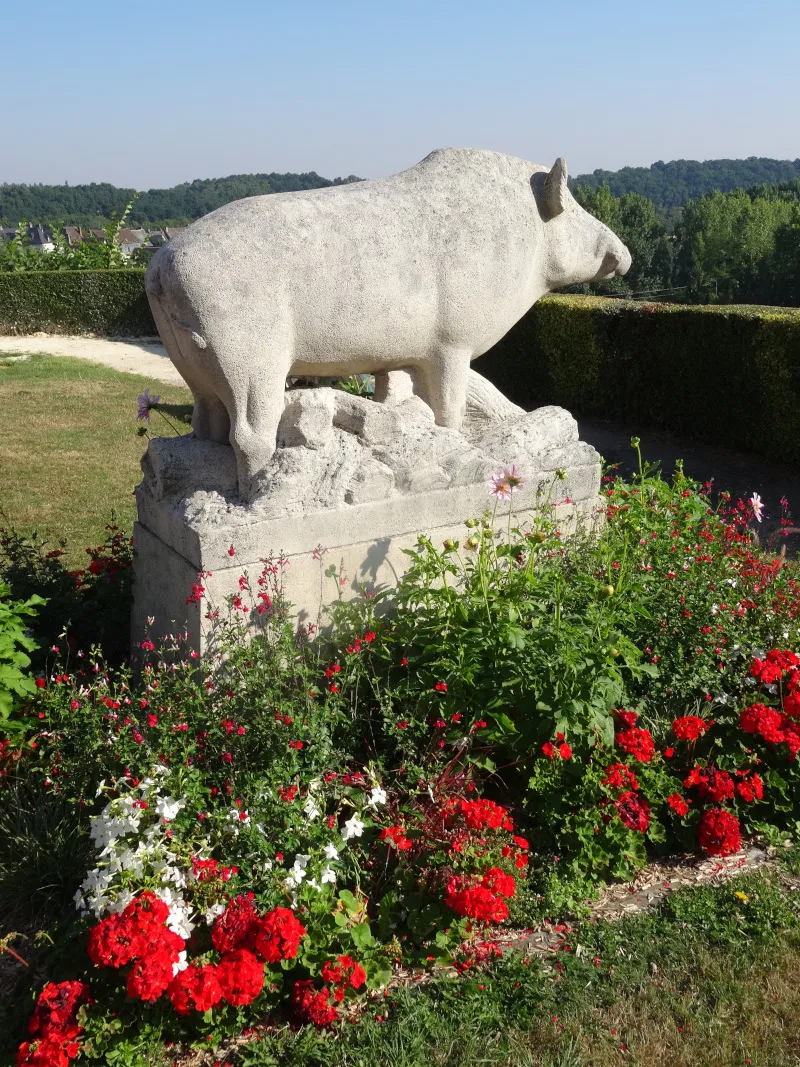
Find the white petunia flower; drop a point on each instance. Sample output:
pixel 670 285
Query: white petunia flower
pixel 311 809
pixel 376 797
pixel 181 963
pixel 354 827
pixel 331 851
pixel 328 875
pixel 211 914
pixel 123 900
pixel 168 807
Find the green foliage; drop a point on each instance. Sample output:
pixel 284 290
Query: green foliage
pixel 664 366
pixel 503 667
pixel 44 853
pixel 670 185
pixel 15 644
pixel 91 254
pixel 91 604
pixel 95 204
pixel 726 247
pixel 106 302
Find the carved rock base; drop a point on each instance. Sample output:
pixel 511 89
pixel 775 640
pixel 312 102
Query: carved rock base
pixel 357 478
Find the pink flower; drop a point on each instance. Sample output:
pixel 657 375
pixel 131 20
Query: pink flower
pixel 758 507
pixel 146 402
pixel 504 481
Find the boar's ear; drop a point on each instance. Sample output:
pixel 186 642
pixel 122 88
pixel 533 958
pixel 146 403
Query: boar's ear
pixel 555 189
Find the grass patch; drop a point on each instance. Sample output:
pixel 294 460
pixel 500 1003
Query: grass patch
pixel 709 978
pixel 69 452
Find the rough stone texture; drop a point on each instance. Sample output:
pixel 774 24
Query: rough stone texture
pixel 424 270
pixel 359 478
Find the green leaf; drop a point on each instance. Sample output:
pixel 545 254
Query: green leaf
pixel 362 937
pixel 349 901
pixel 379 973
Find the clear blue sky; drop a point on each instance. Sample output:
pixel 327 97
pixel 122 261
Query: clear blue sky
pixel 160 91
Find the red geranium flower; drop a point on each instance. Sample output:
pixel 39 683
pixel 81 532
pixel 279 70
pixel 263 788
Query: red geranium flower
pixel 634 811
pixel 396 836
pixel 150 976
pixel 637 743
pixel 54 1015
pixel 483 813
pixel 147 908
pixel 719 833
pixel 232 927
pixel 765 672
pixel 240 977
pixel 195 988
pixel 677 803
pixel 47 1052
pixel 710 783
pixel 498 881
pixel 277 936
pixel 475 902
pixel 627 717
pixel 764 721
pixel 344 972
pixel 313 1004
pixel 689 727
pixel 113 942
pixel 751 789
pixel 618 776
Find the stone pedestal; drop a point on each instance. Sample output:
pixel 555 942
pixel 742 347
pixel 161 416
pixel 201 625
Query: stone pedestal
pixel 353 482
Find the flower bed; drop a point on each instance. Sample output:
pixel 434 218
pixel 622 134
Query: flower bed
pixel 270 834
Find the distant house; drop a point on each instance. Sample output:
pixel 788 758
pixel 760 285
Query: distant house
pixel 73 235
pixel 153 241
pixel 98 235
pixel 40 238
pixel 131 240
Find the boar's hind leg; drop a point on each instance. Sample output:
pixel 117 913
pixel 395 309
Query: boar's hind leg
pixel 210 418
pixel 442 384
pixel 256 408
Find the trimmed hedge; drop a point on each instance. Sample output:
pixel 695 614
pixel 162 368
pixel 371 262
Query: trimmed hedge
pixel 109 302
pixel 729 374
pixel 726 374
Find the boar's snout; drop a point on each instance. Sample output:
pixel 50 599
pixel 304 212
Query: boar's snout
pixel 623 263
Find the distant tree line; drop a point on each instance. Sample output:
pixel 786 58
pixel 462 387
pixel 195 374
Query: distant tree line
pixel 670 185
pixel 729 248
pixel 93 205
pixel 719 245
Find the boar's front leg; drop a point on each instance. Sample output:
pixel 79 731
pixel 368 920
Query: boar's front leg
pixel 443 385
pixel 256 406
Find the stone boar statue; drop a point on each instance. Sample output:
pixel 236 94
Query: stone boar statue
pixel 425 271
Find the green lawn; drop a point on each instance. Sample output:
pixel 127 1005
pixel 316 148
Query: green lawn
pixel 69 451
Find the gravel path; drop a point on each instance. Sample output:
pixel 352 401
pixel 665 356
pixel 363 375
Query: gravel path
pixel 145 356
pixel 740 473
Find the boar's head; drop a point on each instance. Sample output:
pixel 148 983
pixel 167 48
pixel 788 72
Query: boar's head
pixel 578 247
